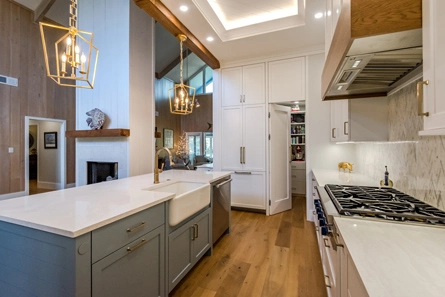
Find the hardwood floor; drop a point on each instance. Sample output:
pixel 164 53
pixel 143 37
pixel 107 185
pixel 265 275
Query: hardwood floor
pixel 33 189
pixel 267 256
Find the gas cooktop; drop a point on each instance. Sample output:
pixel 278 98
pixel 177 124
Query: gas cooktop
pixel 384 203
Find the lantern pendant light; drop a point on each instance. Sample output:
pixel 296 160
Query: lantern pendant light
pixel 181 96
pixel 73 60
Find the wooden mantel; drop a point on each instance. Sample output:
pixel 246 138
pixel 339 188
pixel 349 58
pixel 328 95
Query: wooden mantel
pixel 98 133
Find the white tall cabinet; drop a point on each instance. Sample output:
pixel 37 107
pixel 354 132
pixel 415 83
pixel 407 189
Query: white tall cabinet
pixel 433 23
pixel 243 129
pixel 287 80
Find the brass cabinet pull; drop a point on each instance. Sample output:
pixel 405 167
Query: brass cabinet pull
pixel 420 98
pixel 244 155
pixel 243 172
pixel 241 155
pixel 333 133
pixel 336 242
pixel 313 212
pixel 344 128
pixel 142 224
pixel 133 248
pixel 326 244
pixel 328 283
pixel 244 98
pixel 195 231
pixel 240 98
pixel 317 228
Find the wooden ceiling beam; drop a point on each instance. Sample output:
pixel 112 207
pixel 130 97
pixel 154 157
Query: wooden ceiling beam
pixel 157 10
pixel 173 64
pixel 42 9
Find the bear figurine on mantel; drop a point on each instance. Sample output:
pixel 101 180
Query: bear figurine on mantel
pixel 96 119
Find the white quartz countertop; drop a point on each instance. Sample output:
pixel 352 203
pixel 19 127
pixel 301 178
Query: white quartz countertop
pixel 396 259
pixel 76 211
pixel 343 178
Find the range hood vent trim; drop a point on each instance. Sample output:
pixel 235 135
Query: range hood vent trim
pixel 386 29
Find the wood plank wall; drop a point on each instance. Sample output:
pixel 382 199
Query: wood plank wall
pixel 38 96
pixel 195 122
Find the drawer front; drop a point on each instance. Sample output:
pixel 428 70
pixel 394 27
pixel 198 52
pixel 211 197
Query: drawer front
pixel 111 237
pixel 137 269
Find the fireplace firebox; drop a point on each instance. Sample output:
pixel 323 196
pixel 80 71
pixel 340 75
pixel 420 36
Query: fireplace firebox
pixel 101 171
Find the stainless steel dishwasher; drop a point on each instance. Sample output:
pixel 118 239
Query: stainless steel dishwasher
pixel 221 207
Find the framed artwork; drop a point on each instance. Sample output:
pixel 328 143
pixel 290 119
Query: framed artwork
pixel 50 140
pixel 168 138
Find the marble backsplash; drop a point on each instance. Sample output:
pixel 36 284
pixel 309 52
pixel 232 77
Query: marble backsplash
pixel 415 163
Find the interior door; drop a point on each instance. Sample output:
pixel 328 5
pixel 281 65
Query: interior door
pixel 280 151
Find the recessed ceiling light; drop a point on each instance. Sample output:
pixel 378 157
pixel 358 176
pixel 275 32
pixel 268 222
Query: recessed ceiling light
pixel 318 15
pixel 210 38
pixel 183 8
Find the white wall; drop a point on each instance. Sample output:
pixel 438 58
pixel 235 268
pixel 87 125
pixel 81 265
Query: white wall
pixel 49 159
pixel 321 153
pixel 142 102
pixel 123 86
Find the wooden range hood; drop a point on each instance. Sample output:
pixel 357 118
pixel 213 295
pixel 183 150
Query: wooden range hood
pixel 369 27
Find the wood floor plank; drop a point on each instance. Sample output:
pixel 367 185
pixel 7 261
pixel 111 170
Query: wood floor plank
pixel 234 279
pixel 283 238
pixel 251 260
pixel 277 273
pixel 256 278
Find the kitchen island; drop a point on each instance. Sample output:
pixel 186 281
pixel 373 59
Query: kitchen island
pixel 60 243
pixel 372 257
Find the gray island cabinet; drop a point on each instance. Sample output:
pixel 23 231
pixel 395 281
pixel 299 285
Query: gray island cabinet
pixel 124 258
pixel 187 243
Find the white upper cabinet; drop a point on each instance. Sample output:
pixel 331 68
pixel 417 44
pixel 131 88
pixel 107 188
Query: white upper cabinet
pixel 287 80
pixel 339 120
pixel 360 120
pixel 243 85
pixel 433 68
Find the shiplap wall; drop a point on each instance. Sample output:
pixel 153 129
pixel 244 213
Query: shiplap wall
pixel 123 88
pixel 36 95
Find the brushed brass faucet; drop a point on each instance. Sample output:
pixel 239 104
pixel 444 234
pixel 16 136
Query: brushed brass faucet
pixel 157 171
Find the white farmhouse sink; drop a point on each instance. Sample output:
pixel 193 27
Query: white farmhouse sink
pixel 190 197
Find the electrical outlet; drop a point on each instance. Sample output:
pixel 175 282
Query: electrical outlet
pixel 11 150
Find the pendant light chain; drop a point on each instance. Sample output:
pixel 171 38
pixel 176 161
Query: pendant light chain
pixel 180 66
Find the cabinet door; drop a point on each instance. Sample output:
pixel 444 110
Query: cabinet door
pixel 254 137
pixel 287 80
pixel 231 140
pixel 201 240
pixel 434 66
pixel 355 285
pixel 249 190
pixel 254 84
pixel 339 120
pixel 134 270
pixel 231 86
pixel 180 259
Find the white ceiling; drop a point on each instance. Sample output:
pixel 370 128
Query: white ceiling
pixel 272 42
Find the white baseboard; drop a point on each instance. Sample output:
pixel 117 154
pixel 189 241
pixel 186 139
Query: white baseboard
pixel 12 195
pixel 49 185
pixel 73 185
